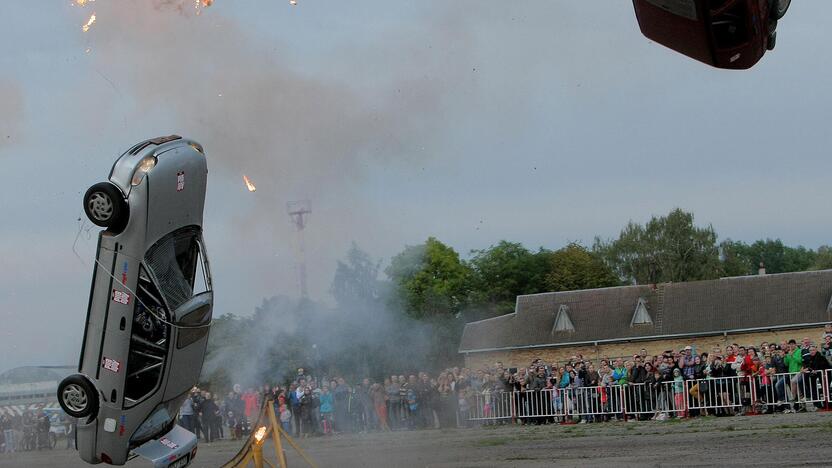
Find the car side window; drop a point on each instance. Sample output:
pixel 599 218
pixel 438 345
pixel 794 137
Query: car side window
pixel 148 342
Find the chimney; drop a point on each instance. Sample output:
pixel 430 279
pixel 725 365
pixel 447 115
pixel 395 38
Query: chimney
pixel 762 270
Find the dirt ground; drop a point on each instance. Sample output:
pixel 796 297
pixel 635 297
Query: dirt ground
pixel 776 440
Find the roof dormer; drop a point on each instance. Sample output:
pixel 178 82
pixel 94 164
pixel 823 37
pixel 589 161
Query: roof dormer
pixel 562 321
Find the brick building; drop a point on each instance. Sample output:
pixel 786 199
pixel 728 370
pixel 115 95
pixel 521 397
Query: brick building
pixel 623 320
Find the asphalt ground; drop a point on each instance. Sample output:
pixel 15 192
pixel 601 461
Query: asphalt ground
pixel 803 439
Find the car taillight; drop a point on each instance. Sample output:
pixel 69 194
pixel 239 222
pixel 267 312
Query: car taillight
pixel 193 453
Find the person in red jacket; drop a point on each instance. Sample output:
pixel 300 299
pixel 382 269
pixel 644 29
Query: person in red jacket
pixel 250 401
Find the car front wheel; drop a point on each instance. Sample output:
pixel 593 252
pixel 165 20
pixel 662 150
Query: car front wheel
pixel 77 396
pixel 105 206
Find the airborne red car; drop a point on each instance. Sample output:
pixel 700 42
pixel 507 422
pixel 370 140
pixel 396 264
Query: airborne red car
pixel 731 34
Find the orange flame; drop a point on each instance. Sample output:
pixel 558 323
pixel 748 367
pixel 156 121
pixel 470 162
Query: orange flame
pixel 260 434
pixel 202 4
pixel 90 21
pixel 250 186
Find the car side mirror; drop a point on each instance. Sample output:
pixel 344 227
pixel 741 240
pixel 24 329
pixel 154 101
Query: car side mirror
pixel 194 316
pixel 195 311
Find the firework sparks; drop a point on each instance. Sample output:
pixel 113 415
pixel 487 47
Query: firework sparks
pixel 199 4
pixel 81 3
pixel 89 23
pixel 293 2
pixel 249 185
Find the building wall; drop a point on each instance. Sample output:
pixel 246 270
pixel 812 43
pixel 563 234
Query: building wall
pixel 523 357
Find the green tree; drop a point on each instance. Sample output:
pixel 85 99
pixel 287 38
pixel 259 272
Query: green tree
pixel 574 267
pixel 356 281
pixel 823 258
pixel 504 271
pixel 735 257
pixel 666 248
pixel 430 279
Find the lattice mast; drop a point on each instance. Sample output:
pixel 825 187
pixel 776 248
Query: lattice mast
pixel 298 211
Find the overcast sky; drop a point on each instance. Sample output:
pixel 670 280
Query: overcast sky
pixel 473 121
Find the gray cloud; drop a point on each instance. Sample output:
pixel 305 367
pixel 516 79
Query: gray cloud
pixel 11 113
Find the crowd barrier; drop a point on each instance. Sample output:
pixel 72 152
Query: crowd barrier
pixel 710 396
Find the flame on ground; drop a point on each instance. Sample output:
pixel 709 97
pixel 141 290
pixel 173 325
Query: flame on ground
pixel 260 434
pixel 250 186
pixel 90 21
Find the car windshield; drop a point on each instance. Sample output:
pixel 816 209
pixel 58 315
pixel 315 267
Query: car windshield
pixel 174 261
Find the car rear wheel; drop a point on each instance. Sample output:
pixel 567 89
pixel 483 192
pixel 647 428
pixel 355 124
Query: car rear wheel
pixel 778 8
pixel 105 206
pixel 77 396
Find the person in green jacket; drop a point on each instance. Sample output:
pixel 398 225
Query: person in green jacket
pixel 794 359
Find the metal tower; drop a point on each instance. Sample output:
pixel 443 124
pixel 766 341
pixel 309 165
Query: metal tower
pixel 298 210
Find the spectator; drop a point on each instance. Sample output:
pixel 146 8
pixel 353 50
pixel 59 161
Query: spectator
pixel 326 410
pixel 308 403
pixel 392 389
pixel 378 396
pixel 211 418
pixel 186 414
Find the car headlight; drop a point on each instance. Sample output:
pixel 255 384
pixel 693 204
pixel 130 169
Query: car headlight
pixel 145 165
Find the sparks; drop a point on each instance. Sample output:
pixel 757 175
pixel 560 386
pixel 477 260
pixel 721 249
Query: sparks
pixel 260 434
pixel 250 186
pixel 90 21
pixel 293 2
pixel 81 3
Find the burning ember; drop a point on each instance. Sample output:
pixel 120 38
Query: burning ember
pixel 260 434
pixel 81 3
pixel 202 4
pixel 250 186
pixel 90 21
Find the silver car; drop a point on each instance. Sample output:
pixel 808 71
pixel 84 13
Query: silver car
pixel 149 310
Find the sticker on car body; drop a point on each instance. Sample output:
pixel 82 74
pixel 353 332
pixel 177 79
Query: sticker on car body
pixel 180 181
pixel 110 364
pixel 124 269
pixel 168 443
pixel 684 8
pixel 122 297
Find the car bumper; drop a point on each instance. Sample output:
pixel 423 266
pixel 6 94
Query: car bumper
pixel 174 449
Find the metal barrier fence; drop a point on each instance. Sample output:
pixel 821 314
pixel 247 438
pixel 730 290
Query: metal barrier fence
pixel 722 395
pixel 788 389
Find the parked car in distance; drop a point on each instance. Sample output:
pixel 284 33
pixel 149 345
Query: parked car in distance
pixel 731 34
pixel 149 308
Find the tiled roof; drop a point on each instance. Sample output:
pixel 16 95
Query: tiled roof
pixel 697 307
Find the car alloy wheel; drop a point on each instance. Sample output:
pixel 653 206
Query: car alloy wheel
pixel 100 206
pixel 105 206
pixel 75 398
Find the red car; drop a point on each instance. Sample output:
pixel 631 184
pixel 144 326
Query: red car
pixel 730 34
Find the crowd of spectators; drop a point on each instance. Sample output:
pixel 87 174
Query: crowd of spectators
pixel 30 431
pixel 309 405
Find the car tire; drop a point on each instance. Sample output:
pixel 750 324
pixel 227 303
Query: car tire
pixel 778 8
pixel 105 206
pixel 77 396
pixel 772 41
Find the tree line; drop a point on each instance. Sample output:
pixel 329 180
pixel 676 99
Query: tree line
pixel 410 315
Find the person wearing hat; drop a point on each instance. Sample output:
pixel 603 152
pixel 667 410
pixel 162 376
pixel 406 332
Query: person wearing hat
pixel 687 362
